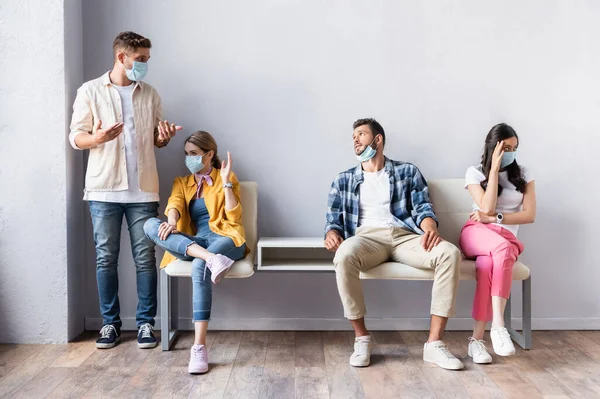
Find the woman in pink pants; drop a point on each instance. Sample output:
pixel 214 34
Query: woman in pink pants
pixel 503 198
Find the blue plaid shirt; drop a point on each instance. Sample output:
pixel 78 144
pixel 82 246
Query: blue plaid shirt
pixel 409 202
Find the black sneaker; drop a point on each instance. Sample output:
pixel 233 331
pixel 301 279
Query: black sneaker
pixel 109 337
pixel 146 337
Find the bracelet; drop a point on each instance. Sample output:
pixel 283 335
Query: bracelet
pixel 227 185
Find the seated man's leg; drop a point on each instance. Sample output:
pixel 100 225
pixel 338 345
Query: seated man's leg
pixel 364 251
pixel 444 260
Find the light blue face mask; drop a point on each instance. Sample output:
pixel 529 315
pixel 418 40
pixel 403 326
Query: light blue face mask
pixel 508 158
pixel 194 163
pixel 368 153
pixel 137 72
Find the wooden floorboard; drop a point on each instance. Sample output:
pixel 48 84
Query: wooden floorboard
pixel 302 365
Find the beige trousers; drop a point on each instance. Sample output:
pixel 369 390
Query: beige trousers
pixel 372 246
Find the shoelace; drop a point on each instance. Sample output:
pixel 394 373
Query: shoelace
pixel 146 330
pixel 199 352
pixel 362 347
pixel 442 348
pixel 479 345
pixel 106 330
pixel 504 336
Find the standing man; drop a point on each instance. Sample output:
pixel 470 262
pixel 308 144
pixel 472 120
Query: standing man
pixel 119 119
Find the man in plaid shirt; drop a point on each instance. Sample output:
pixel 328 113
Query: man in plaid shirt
pixel 380 211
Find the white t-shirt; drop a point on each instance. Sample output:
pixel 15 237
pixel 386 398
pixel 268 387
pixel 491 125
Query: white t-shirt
pixel 510 201
pixel 133 193
pixel 375 200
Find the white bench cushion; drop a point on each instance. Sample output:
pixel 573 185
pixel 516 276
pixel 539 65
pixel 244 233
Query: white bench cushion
pixel 399 271
pixel 386 271
pixel 241 269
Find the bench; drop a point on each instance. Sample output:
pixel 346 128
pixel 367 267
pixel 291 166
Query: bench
pixel 452 205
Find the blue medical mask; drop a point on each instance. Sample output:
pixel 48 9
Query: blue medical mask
pixel 508 158
pixel 194 163
pixel 368 153
pixel 137 72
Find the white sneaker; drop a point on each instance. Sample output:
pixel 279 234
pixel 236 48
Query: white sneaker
pixel 501 342
pixel 362 352
pixel 478 351
pixel 436 352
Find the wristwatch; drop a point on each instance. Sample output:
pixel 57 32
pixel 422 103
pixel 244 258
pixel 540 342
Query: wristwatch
pixel 227 185
pixel 499 218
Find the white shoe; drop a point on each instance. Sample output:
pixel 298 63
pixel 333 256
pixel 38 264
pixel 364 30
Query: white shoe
pixel 501 342
pixel 478 351
pixel 362 352
pixel 436 352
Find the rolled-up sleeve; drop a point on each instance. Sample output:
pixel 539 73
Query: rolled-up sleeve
pixel 419 194
pixel 335 216
pixel 82 119
pixel 177 198
pixel 235 214
pixel 157 113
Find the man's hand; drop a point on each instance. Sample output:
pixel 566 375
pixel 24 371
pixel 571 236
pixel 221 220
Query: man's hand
pixel 333 240
pixel 431 238
pixel 102 136
pixel 166 131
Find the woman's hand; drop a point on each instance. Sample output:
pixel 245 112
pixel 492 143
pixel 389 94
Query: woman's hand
pixel 478 216
pixel 497 156
pixel 226 169
pixel 165 229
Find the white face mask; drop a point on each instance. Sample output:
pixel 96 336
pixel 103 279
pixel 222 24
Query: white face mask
pixel 137 72
pixel 194 163
pixel 368 153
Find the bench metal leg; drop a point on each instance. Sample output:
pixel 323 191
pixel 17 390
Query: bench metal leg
pixel 167 333
pixel 523 339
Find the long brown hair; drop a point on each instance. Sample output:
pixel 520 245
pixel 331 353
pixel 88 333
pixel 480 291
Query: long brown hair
pixel 206 142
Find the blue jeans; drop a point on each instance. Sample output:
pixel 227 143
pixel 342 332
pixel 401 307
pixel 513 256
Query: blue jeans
pixel 107 218
pixel 177 245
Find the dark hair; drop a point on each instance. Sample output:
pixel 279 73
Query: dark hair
pixel 375 127
pixel 500 132
pixel 130 41
pixel 206 142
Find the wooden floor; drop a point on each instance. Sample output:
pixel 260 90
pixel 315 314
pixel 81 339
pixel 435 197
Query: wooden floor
pixel 300 365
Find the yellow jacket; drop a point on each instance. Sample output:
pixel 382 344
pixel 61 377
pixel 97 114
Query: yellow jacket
pixel 222 222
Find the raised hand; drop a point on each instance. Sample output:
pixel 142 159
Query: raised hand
pixel 166 131
pixel 226 169
pixel 102 136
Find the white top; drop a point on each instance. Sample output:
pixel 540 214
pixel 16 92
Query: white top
pixel 375 200
pixel 510 201
pixel 133 193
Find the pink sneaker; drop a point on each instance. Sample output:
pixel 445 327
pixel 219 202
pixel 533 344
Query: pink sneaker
pixel 198 360
pixel 219 265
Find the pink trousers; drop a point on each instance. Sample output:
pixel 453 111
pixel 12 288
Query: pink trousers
pixel 495 251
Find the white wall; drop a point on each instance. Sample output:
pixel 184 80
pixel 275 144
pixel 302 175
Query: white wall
pixel 280 83
pixel 33 239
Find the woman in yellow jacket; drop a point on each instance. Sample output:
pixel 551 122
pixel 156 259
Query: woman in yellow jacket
pixel 204 225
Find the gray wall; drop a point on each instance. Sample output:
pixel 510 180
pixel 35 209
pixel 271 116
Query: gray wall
pixel 76 216
pixel 33 238
pixel 280 85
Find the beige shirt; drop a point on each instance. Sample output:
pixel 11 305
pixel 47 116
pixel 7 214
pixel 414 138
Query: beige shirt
pixel 107 164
